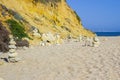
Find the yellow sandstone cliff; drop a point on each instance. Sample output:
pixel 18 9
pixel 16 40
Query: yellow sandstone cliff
pixel 53 16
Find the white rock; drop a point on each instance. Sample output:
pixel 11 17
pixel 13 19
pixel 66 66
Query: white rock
pixel 96 39
pixel 12 55
pixel 25 39
pixel 58 40
pixel 50 37
pixel 12 46
pixel 96 44
pixel 57 36
pixel 35 31
pixel 44 37
pixel 36 35
pixel 12 50
pixel 42 43
pixel 10 36
pixel 12 42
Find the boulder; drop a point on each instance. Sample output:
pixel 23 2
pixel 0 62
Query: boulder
pixel 21 43
pixel 48 37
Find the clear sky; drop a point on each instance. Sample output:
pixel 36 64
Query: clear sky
pixel 98 15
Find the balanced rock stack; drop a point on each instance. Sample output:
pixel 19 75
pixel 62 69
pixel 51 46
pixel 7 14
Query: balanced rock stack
pixel 36 33
pixel 96 42
pixel 12 48
pixel 89 41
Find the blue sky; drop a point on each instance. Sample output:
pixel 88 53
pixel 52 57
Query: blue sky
pixel 98 15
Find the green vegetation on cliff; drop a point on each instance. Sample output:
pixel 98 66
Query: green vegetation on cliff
pixel 17 29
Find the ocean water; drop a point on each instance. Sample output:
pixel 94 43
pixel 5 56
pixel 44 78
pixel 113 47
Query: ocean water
pixel 108 33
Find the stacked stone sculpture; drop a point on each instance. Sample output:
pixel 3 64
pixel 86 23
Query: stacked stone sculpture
pixel 89 41
pixel 96 42
pixel 12 50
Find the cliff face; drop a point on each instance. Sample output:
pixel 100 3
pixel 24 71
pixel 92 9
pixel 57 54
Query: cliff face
pixel 53 16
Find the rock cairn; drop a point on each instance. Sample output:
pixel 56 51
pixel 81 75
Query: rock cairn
pixel 96 42
pixel 12 50
pixel 89 41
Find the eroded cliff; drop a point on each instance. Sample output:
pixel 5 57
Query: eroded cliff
pixel 53 16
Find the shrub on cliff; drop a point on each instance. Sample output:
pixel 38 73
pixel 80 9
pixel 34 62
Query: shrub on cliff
pixel 4 39
pixel 17 29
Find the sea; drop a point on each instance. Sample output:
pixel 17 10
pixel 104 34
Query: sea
pixel 108 33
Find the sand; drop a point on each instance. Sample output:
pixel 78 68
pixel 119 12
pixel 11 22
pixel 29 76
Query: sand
pixel 68 61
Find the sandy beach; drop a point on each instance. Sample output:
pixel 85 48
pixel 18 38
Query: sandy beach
pixel 68 61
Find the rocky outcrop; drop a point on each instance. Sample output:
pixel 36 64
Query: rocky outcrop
pixel 32 18
pixel 4 38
